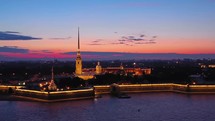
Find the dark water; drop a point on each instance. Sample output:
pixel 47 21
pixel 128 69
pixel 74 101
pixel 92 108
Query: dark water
pixel 140 107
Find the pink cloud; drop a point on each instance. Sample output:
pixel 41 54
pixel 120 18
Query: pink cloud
pixel 41 55
pixel 36 55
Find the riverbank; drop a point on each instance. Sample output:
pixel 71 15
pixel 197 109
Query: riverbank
pixel 12 93
pixel 168 87
pixel 55 96
pixel 41 96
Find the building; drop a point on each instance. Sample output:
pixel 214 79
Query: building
pixel 89 73
pixel 98 68
pixel 78 64
pixel 78 69
pixel 52 86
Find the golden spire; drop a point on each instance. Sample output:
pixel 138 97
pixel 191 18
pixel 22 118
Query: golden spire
pixel 78 40
pixel 78 59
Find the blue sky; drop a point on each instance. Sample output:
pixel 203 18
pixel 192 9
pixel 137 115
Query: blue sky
pixel 60 17
pixel 180 26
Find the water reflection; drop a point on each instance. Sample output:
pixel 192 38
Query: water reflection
pixel 142 106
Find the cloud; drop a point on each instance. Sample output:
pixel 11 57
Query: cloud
pixel 121 43
pixel 8 56
pixel 118 43
pixel 13 49
pixel 97 42
pixel 10 35
pixel 132 38
pixel 138 56
pixel 151 40
pixel 11 32
pixel 47 51
pixel 66 38
pixel 129 40
pixel 122 40
pixel 142 35
pixel 138 39
pixel 140 43
pixel 41 52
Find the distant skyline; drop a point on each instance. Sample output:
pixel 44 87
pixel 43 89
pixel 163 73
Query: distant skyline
pixel 34 29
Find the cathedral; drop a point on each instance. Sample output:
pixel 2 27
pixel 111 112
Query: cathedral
pixel 89 73
pixel 78 64
pixel 78 69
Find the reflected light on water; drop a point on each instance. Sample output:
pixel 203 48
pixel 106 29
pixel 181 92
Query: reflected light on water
pixel 140 107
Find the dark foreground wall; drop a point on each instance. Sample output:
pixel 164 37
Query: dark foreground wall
pixel 107 89
pixel 58 95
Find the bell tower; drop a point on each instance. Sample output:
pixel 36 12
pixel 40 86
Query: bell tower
pixel 78 69
pixel 98 68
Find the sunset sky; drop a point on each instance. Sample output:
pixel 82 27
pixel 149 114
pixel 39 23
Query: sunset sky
pixel 48 28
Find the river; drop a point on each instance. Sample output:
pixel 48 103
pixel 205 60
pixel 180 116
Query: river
pixel 140 107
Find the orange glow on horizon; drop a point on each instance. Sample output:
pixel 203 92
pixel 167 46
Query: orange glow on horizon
pixel 188 46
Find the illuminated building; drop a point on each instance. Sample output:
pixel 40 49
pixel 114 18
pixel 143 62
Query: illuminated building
pixel 89 73
pixel 78 70
pixel 52 86
pixel 207 66
pixel 98 68
pixel 116 70
pixel 135 71
pixel 211 66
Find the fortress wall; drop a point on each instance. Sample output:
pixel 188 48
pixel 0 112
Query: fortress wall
pixel 104 89
pixel 73 94
pixel 5 88
pixel 170 87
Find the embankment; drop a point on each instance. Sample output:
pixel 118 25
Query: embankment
pixel 55 96
pixel 168 87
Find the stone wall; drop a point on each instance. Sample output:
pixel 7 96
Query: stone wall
pixel 58 95
pixel 170 87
